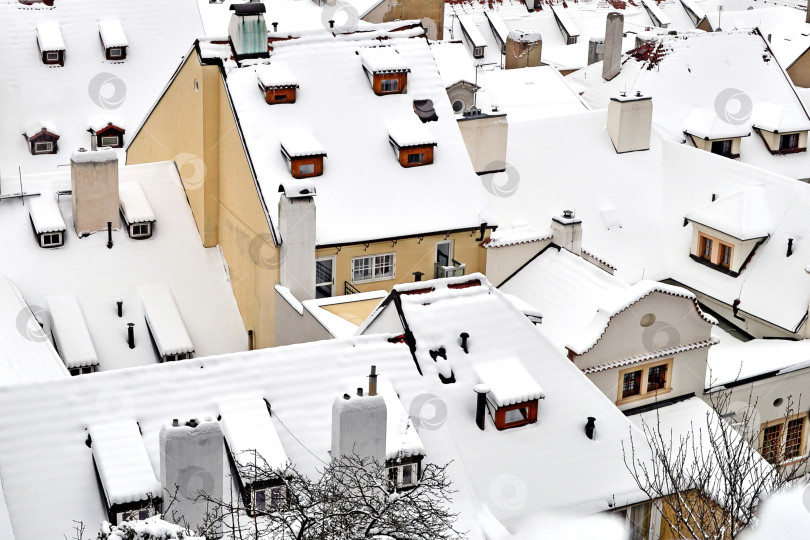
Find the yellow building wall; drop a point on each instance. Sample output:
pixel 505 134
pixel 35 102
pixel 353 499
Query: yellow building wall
pixel 355 312
pixel 412 255
pixel 799 71
pixel 429 12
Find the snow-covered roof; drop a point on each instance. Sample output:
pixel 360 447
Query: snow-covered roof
pixel 509 382
pixel 98 276
pixel 521 233
pixel 123 465
pixel 112 33
pixel 383 60
pixel 401 438
pixel 89 86
pixel 655 11
pixel 757 357
pixel 70 331
pixel 299 143
pixel 134 204
pixel 747 214
pixel 694 8
pixel 251 435
pixel 50 37
pixel 471 30
pixel 454 62
pixel 565 20
pixel 734 73
pixel 362 171
pixel 705 124
pixel 26 353
pixel 164 320
pixel 45 215
pixel 276 75
pixel 36 127
pixel 410 131
pixel 501 31
pixel 529 92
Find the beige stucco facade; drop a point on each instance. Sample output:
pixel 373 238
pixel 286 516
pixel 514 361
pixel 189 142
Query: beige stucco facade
pixel 741 248
pixel 799 70
pixel 429 12
pixel 706 144
pixel 772 139
pixel 485 137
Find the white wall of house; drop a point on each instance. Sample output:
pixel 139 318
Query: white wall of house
pixel 503 261
pixel 293 327
pixel 754 326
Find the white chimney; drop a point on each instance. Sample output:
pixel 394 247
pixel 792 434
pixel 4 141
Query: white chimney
pixel 614 32
pixel 296 218
pixel 567 231
pixel 629 122
pixel 359 424
pixel 94 181
pixel 191 462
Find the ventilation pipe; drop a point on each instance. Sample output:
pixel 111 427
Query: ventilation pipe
pixel 120 304
pixel 481 406
pixel 790 247
pixel 372 381
pixel 590 427
pixel 464 337
pixel 131 335
pixel 417 276
pixel 109 235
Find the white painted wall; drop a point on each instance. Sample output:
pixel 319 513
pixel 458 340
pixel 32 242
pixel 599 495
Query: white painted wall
pixel 292 327
pixel 502 262
pixel 359 426
pixel 629 123
pixel 296 218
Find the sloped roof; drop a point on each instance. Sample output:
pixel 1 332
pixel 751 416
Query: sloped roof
pixel 88 85
pixel 746 215
pixel 705 124
pixel 361 171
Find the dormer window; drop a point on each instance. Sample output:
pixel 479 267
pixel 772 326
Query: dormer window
pixel 41 139
pixel 108 135
pixel 386 69
pixel 727 232
pixel 113 40
pixel 46 219
pixel 475 40
pixel 50 42
pixel 708 132
pixel 782 132
pixel 412 143
pixel 512 394
pixel 137 212
pixel 304 154
pixel 277 83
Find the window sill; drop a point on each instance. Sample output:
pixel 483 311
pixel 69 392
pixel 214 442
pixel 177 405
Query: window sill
pixel 375 280
pixel 642 397
pixel 713 266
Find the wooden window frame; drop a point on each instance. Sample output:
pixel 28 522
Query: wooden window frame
pixel 645 373
pixel 724 142
pixel 374 276
pixel 529 418
pixel 782 443
pixel 716 253
pixel 789 136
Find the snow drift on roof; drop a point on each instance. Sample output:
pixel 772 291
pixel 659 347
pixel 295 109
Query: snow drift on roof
pixel 251 435
pixel 383 60
pixel 50 37
pixel 134 204
pixel 778 119
pixel 401 439
pixel 70 332
pixel 410 132
pixel 45 214
pixel 101 155
pixel 469 27
pixel 509 382
pixel 705 124
pixel 300 143
pixel 276 75
pixel 164 320
pixel 112 34
pixel 123 465
pixel 746 215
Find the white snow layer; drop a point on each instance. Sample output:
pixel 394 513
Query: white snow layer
pixel 134 204
pixel 45 214
pixel 50 37
pixel 112 33
pixel 509 382
pixel 275 75
pixel 70 331
pixel 164 320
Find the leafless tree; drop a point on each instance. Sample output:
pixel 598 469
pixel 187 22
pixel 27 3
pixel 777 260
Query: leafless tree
pixel 707 483
pixel 351 498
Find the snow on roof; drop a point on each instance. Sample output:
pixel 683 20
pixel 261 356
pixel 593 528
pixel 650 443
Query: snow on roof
pixel 123 465
pixel 299 143
pixel 35 128
pixel 705 124
pixel 164 320
pixel 362 169
pixel 340 325
pixel 656 12
pixel 781 515
pixel 70 332
pixel 251 435
pixel 45 215
pixel 401 438
pixel 778 119
pixel 112 34
pixel 50 37
pixel 757 357
pixel 747 214
pixel 734 74
pixel 134 204
pixel 565 20
pixel 276 75
pixel 501 31
pixel 383 60
pixel 509 383
pixel 694 8
pixel 410 131
pixel 521 233
pixel 102 155
pixel 26 353
pixel 173 255
pixel 88 84
pixel 454 62
pixel 471 31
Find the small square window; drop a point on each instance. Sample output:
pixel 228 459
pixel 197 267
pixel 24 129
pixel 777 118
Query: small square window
pixel 115 52
pixel 789 141
pixel 280 97
pixel 307 168
pixel 722 148
pixel 478 52
pixel 140 230
pixel 111 142
pixel 51 239
pixel 416 158
pixel 43 147
pixel 75 371
pixel 389 85
pixel 52 56
pixel 513 416
pixel 631 385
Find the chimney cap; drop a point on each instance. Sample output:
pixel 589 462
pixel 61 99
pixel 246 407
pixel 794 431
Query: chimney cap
pixel 251 8
pixel 482 388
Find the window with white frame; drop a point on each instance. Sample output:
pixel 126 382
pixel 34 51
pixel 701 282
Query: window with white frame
pixel 269 499
pixel 478 52
pixel 643 520
pixel 115 52
pixel 139 513
pixel 52 56
pixel 373 267
pixel 403 476
pixel 43 147
pixel 111 142
pixel 51 239
pixel 140 230
pixel 176 357
pixel 84 370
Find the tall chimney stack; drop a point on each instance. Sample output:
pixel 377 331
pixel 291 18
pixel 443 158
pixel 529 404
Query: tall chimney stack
pixel 567 231
pixel 629 122
pixel 296 217
pixel 94 181
pixel 359 426
pixel 614 32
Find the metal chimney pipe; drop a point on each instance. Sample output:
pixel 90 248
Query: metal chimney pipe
pixel 120 304
pixel 464 337
pixel 417 276
pixel 790 247
pixel 175 422
pixel 360 392
pixel 109 235
pixel 590 427
pixel 481 406
pixel 131 335
pixel 275 27
pixel 372 381
pixel 251 340
pixel 331 24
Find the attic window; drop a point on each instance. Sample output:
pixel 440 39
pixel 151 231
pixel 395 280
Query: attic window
pixel 789 142
pixel 513 394
pixel 403 477
pixel 386 69
pixel 709 132
pixel 41 140
pixel 472 35
pixel 113 40
pixel 107 135
pixel 277 83
pixel 269 499
pixel 82 370
pixel 46 219
pixel 50 42
pixel 782 131
pixel 722 148
pixel 638 383
pixel 136 210
pixel 304 154
pixel 412 143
